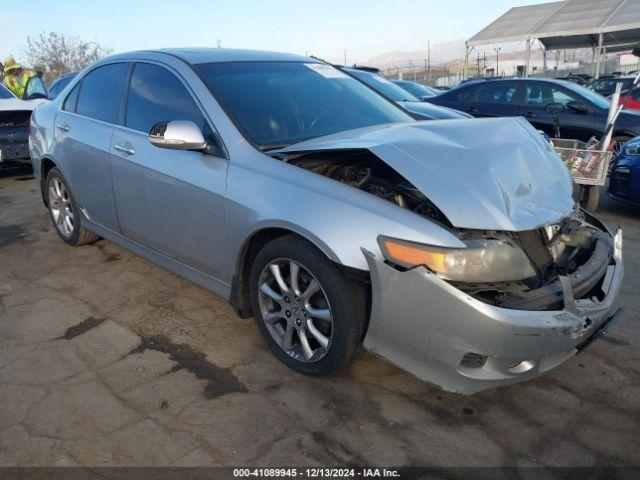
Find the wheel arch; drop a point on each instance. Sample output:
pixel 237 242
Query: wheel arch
pixel 46 164
pixel 239 297
pixel 626 133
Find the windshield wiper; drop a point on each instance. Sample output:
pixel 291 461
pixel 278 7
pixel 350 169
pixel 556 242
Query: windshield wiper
pixel 267 148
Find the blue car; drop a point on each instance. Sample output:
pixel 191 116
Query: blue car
pixel 624 183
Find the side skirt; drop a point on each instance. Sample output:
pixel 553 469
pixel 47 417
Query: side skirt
pixel 196 276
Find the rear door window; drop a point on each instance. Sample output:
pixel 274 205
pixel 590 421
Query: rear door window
pixel 502 93
pixel 101 91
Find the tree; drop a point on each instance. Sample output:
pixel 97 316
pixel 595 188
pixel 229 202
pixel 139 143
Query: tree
pixel 56 53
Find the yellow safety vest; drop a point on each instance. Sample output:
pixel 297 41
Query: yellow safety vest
pixel 18 84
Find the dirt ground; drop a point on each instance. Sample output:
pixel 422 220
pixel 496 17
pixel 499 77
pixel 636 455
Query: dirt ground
pixel 108 360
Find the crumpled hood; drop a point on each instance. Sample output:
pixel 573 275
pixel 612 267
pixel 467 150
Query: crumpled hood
pixel 488 174
pixel 431 111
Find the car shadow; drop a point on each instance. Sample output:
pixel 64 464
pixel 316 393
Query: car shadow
pixel 20 172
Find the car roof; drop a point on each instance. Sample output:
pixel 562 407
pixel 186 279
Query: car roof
pixel 196 56
pixel 520 79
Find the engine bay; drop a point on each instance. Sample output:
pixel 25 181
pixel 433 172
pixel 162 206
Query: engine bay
pixel 363 170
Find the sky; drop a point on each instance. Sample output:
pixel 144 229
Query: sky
pixel 326 28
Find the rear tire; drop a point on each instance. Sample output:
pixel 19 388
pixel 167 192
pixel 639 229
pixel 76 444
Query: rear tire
pixel 64 211
pixel 326 327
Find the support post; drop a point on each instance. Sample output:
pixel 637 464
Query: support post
pixel 465 71
pixel 544 61
pixel 526 68
pixel 598 56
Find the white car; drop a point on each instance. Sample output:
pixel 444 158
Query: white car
pixel 14 121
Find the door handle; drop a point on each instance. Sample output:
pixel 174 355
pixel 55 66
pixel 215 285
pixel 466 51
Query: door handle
pixel 530 114
pixel 63 126
pixel 125 148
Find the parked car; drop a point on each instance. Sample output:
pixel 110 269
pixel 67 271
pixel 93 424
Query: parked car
pixel 452 249
pixel 58 84
pixel 420 110
pixel 624 181
pixel 14 126
pixel 630 99
pixel 420 91
pixel 442 87
pixel 607 86
pixel 584 112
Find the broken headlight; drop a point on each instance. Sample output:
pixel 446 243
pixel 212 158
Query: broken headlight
pixel 485 260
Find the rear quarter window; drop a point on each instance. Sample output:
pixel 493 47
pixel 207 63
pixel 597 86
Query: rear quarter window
pixel 72 99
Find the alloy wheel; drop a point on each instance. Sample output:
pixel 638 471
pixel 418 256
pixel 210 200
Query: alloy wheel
pixel 295 310
pixel 60 206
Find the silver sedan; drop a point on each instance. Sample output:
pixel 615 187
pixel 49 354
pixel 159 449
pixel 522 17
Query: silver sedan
pixel 452 248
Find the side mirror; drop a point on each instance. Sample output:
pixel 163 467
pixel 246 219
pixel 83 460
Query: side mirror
pixel 178 135
pixel 554 107
pixel 577 107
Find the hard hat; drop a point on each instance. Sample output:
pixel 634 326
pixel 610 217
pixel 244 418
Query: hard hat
pixel 10 64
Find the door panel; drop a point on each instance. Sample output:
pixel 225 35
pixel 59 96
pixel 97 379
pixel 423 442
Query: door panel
pixel 537 96
pixel 83 137
pixel 83 149
pixel 171 201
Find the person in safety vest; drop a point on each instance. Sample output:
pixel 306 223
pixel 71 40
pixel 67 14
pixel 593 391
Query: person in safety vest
pixel 16 77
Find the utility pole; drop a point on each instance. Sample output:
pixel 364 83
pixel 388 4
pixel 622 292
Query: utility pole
pixel 219 43
pixel 429 59
pixel 345 57
pixel 497 50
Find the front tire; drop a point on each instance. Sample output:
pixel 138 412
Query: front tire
pixel 309 313
pixel 590 198
pixel 64 211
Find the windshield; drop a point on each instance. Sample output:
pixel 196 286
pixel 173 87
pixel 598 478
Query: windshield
pixel 383 86
pixel 415 89
pixel 280 103
pixel 595 98
pixel 4 93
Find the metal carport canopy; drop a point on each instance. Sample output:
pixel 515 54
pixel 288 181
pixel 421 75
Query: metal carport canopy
pixel 567 24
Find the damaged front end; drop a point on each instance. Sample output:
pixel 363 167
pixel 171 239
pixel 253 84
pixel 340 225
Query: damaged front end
pixel 532 280
pixel 569 262
pixel 469 336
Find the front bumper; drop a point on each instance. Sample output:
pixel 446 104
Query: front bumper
pixel 428 327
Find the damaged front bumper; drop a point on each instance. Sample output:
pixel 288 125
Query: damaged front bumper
pixel 444 336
